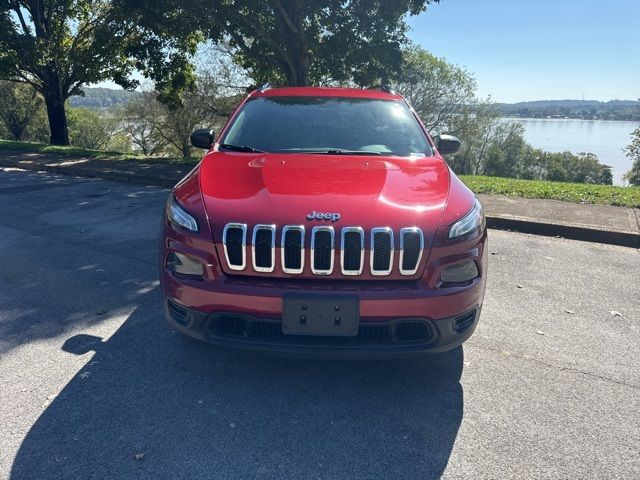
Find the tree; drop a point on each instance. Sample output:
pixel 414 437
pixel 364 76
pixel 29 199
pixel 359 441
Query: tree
pixel 57 46
pixel 156 127
pixel 436 89
pixel 302 42
pixel 91 129
pixel 633 152
pixel 19 107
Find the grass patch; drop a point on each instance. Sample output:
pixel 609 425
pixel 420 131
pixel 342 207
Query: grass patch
pixel 85 152
pixel 570 192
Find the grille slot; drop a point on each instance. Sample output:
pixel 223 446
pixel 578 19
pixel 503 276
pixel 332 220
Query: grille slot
pixel 293 249
pixel 381 251
pixel 234 239
pixel 352 250
pixel 263 248
pixel 411 245
pixel 322 241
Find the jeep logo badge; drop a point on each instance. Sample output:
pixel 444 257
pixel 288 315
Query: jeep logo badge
pixel 334 216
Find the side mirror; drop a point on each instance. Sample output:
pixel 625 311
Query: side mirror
pixel 447 144
pixel 202 138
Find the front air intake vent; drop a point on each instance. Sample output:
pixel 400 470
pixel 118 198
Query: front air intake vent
pixel 413 332
pixel 464 321
pixel 178 312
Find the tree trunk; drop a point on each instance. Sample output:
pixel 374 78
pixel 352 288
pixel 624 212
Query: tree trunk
pixel 186 151
pixel 57 118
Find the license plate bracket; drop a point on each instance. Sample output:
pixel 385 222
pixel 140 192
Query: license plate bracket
pixel 320 315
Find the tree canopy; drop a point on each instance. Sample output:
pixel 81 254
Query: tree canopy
pixel 302 42
pixel 57 46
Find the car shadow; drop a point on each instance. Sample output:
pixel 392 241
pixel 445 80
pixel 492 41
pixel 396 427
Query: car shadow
pixel 153 404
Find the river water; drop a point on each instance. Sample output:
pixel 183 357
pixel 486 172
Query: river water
pixel 605 138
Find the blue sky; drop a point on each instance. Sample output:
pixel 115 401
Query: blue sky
pixel 533 50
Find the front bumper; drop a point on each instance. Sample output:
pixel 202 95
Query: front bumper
pixel 409 335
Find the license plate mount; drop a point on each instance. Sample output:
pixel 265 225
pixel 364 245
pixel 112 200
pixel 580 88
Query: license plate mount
pixel 320 315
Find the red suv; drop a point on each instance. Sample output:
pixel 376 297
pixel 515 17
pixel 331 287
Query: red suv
pixel 324 220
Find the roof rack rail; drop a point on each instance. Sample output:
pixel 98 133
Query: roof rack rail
pixel 383 87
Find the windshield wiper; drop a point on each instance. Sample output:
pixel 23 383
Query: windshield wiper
pixel 240 148
pixel 339 151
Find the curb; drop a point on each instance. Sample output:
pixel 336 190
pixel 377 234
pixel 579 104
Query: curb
pixel 496 222
pixel 573 232
pixel 124 177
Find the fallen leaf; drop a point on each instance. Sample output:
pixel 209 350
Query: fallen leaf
pixel 519 286
pixel 540 332
pixel 615 313
pixel 494 253
pixel 570 312
pixel 84 375
pixel 139 456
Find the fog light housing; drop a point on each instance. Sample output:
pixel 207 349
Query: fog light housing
pixel 184 264
pixel 460 273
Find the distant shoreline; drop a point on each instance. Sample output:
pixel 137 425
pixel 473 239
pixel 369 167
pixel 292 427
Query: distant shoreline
pixel 507 117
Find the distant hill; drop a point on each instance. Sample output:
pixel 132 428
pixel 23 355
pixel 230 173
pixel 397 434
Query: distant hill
pixel 582 109
pixel 100 98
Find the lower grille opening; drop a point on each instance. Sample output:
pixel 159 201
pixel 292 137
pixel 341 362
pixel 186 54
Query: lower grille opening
pixel 366 334
pixel 413 332
pixel 229 325
pixel 178 312
pixel 464 321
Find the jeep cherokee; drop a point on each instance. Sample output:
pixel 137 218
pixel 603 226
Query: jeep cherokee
pixel 324 220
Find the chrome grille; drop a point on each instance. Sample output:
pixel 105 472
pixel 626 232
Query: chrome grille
pixel 353 244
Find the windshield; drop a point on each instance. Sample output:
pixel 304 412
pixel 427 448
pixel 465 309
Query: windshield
pixel 327 125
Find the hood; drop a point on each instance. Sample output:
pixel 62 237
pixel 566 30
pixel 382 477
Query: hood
pixel 367 191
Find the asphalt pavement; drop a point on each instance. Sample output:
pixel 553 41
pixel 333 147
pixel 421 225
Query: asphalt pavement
pixel 94 384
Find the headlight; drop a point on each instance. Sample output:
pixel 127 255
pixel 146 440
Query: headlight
pixel 470 222
pixel 179 216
